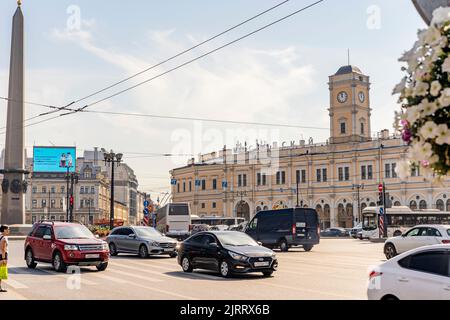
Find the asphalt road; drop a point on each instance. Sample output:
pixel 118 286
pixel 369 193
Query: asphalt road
pixel 335 269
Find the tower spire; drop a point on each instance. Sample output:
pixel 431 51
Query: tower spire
pixel 348 56
pixel 19 2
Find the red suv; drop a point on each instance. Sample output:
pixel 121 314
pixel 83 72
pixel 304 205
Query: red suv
pixel 64 244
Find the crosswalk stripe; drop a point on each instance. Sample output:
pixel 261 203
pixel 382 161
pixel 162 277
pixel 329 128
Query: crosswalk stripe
pixel 112 279
pixel 15 284
pixel 151 272
pixel 138 276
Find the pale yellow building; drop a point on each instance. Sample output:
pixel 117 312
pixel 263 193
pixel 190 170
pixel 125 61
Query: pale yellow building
pixel 331 175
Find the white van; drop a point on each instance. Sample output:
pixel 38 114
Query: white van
pixel 174 220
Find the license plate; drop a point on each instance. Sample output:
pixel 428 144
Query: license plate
pixel 92 256
pixel 262 264
pixel 168 250
pixel 300 224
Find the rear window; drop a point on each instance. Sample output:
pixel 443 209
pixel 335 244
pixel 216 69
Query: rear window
pixel 178 210
pixel 308 216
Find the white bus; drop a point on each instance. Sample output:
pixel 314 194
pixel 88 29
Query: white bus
pixel 174 220
pixel 400 219
pixel 216 221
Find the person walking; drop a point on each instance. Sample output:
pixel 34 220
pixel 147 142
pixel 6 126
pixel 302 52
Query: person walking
pixel 4 232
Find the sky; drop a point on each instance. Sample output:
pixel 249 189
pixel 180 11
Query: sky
pixel 279 75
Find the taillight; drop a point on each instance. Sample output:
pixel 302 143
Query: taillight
pixel 318 230
pixel 374 274
pixel 445 241
pixel 294 229
pixel 190 227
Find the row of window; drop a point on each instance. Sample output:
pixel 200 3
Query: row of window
pixel 62 190
pixel 83 203
pixel 84 190
pixel 366 172
pixel 213 205
pixel 83 219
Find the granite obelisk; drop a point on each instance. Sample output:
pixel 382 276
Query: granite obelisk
pixel 13 184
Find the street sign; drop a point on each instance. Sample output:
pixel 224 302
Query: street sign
pixel 381 210
pixel 224 184
pixel 198 183
pixel 173 182
pixel 146 212
pixel 146 203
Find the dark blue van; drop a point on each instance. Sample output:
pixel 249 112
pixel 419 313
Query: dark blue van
pixel 286 228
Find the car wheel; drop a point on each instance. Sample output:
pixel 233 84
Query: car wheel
pixel 113 249
pixel 389 298
pixel 29 259
pixel 308 247
pixel 389 251
pixel 173 254
pixel 58 263
pixel 143 251
pixel 267 273
pixel 283 245
pixel 224 269
pixel 102 266
pixel 186 265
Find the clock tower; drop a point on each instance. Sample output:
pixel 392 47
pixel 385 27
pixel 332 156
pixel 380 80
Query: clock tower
pixel 349 106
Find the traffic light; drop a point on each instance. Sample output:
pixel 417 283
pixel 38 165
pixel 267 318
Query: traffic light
pixel 380 194
pixel 71 202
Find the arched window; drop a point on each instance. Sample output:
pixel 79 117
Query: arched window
pixel 373 204
pixel 448 205
pixel 363 206
pixel 397 204
pixel 422 204
pixel 440 205
pixel 258 209
pixel 413 205
pixel 362 128
pixel 266 208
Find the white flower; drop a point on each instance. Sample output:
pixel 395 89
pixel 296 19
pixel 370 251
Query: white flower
pixel 432 36
pixel 436 54
pixel 446 65
pixel 441 15
pixel 428 130
pixel 443 134
pixel 412 114
pixel 427 107
pixel 435 88
pixel 420 151
pixel 444 100
pixel 403 169
pixel 421 88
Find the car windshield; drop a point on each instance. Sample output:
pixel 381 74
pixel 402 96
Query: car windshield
pixel 236 239
pixel 147 232
pixel 448 232
pixel 73 232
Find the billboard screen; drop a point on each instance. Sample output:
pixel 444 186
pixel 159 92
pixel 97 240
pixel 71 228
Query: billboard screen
pixel 54 159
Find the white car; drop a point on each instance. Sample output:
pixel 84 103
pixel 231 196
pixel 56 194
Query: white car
pixel 419 274
pixel 422 235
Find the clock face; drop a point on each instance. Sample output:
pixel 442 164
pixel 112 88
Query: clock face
pixel 342 96
pixel 361 96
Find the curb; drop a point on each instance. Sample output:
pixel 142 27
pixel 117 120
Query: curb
pixel 13 238
pixel 378 240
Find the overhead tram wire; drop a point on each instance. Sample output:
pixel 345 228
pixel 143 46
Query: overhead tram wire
pixel 83 109
pixel 195 59
pixel 181 53
pixel 149 68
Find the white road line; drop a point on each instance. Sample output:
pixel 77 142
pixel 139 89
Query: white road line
pixel 137 276
pixel 109 278
pixel 143 270
pixel 15 284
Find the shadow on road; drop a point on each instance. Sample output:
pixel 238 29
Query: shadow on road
pixel 200 275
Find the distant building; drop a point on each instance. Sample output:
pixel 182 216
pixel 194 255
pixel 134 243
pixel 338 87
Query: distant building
pixel 241 182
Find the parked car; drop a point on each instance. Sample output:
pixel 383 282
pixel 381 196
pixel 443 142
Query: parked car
pixel 354 231
pixel 239 227
pixel 65 244
pixel 143 241
pixel 359 235
pixel 418 236
pixel 419 274
pixel 285 228
pixel 198 228
pixel 228 252
pixel 334 232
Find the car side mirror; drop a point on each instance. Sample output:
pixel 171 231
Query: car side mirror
pixel 260 243
pixel 214 245
pixel 132 236
pixel 47 237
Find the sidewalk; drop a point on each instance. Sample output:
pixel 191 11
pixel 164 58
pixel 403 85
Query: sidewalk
pixel 11 294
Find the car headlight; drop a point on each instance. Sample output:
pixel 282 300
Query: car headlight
pixel 153 243
pixel 274 255
pixel 105 246
pixel 237 257
pixel 70 247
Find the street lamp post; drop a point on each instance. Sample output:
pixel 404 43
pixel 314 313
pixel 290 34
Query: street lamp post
pixel 112 159
pixel 358 187
pixel 73 180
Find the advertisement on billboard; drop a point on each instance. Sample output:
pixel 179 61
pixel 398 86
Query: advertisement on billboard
pixel 54 159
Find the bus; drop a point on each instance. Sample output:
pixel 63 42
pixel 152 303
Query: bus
pixel 400 219
pixel 174 220
pixel 216 220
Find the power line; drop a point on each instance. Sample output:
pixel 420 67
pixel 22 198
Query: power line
pixel 181 53
pixel 194 59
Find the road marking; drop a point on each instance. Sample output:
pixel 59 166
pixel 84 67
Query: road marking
pixel 138 276
pixel 15 284
pixel 112 279
pixel 152 288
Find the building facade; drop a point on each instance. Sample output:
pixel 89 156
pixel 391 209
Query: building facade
pixel 338 178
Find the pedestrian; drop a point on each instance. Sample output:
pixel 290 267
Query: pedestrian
pixel 4 232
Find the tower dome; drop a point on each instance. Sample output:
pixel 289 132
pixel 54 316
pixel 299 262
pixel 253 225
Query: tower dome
pixel 348 69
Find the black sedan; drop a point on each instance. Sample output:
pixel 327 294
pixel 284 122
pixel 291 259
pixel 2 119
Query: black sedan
pixel 334 232
pixel 228 252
